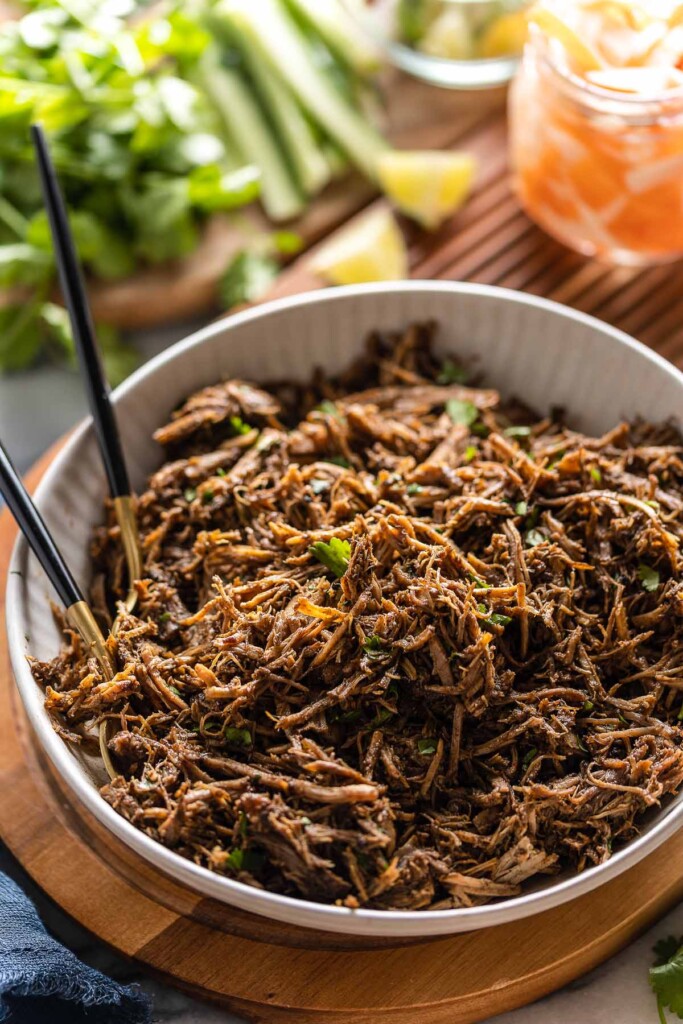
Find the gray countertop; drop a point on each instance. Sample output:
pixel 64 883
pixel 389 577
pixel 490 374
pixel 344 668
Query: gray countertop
pixel 37 408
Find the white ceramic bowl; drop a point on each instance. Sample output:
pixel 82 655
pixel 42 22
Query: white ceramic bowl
pixel 537 350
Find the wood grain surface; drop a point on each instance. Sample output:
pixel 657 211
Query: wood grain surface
pixel 274 973
pixel 492 241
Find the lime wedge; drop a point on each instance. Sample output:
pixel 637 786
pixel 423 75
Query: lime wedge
pixel 426 185
pixel 370 248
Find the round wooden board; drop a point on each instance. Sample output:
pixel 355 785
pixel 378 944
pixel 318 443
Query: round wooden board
pixel 269 972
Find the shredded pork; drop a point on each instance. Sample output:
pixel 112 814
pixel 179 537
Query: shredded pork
pixel 398 644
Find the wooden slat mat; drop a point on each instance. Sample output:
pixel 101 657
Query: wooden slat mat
pixel 492 241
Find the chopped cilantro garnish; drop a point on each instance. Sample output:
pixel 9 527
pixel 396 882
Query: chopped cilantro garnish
pixel 382 717
pixel 238 737
pixel 207 496
pixel 529 756
pixel 239 426
pixel 451 373
pixel 462 412
pixel 164 617
pixel 648 576
pixel 534 537
pixel 470 453
pixel 414 489
pixel 588 705
pixel 373 646
pixel 426 745
pixel 497 619
pixel 190 494
pixel 338 460
pixel 596 475
pixel 518 431
pixel 480 429
pixel 334 556
pixel 244 860
pixel 221 472
pixel 521 508
pixel 478 581
pixel 329 408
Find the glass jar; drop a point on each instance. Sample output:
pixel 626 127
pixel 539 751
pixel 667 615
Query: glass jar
pixel 600 170
pixel 458 44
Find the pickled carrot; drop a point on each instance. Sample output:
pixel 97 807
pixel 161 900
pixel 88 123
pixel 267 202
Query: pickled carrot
pixel 602 180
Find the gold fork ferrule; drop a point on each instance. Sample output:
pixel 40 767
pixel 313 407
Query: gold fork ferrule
pixel 124 509
pixel 82 619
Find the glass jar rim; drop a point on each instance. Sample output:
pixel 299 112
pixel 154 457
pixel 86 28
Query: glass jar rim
pixel 627 104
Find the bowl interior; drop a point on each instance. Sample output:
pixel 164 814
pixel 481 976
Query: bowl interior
pixel 526 347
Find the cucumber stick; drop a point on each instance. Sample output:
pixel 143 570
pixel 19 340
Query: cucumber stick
pixel 283 47
pixel 335 25
pixel 253 136
pixel 304 152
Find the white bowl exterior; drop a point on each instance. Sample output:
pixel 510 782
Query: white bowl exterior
pixel 543 353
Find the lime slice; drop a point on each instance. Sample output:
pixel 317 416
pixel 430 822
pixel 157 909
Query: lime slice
pixel 427 185
pixel 370 248
pixel 505 36
pixel 551 24
pixel 449 36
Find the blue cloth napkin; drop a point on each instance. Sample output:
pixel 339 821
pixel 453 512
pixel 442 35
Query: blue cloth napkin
pixel 42 982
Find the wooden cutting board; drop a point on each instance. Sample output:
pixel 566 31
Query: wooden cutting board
pixel 277 974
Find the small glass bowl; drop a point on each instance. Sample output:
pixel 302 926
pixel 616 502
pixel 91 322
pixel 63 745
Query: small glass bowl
pixel 464 23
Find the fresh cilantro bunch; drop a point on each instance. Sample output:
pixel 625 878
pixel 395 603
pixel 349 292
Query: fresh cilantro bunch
pixel 137 147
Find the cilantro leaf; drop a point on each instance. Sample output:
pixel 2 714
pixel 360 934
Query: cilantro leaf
pixel 666 980
pixel 329 408
pixel 649 577
pixel 373 646
pixel 238 426
pixel 334 555
pixel 462 411
pixel 247 278
pixel 517 431
pixel 497 619
pixel 238 737
pixel 426 745
pixel 451 373
pixel 521 508
pixel 534 537
pixel 413 489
